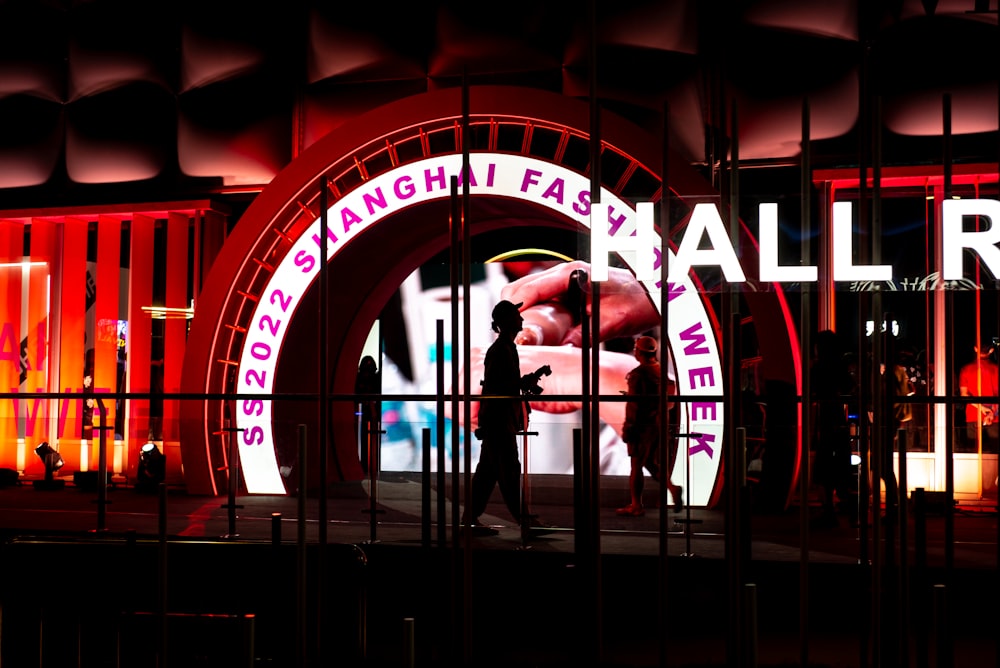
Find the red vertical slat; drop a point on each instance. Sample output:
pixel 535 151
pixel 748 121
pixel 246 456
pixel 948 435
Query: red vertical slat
pixel 140 334
pixel 72 337
pixel 175 329
pixel 109 262
pixel 38 356
pixel 11 255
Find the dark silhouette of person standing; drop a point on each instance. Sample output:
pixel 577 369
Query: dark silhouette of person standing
pixel 641 429
pixel 981 378
pixel 832 384
pixel 502 414
pixel 367 382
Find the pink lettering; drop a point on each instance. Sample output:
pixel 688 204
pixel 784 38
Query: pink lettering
pixel 702 377
pixel 404 188
pixel 372 199
pixel 430 179
pixel 697 340
pixel 9 350
pixel 348 218
pixel 701 444
pixel 703 410
pixel 616 221
pixel 555 191
pixel 530 179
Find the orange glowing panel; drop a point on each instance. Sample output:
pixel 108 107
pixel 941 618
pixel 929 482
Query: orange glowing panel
pixel 72 337
pixel 38 425
pixel 175 329
pixel 11 257
pixel 109 233
pixel 139 335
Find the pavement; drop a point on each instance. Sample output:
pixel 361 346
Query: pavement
pixel 400 549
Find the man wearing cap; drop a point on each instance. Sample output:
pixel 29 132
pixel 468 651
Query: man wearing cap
pixel 502 413
pixel 641 429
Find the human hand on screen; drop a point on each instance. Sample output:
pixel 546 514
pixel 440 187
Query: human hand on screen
pixel 626 309
pixel 565 363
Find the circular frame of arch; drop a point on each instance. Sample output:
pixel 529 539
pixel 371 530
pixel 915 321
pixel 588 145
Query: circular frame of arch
pixel 405 131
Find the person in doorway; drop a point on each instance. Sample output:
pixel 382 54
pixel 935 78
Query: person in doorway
pixel 979 378
pixel 831 384
pixel 367 382
pixel 501 416
pixel 641 429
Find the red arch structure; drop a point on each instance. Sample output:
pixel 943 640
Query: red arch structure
pixel 408 129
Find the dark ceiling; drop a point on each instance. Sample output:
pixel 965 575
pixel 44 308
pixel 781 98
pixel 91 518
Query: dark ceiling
pixel 112 101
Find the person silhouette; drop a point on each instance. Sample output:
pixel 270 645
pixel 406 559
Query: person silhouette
pixel 367 382
pixel 832 384
pixel 641 429
pixel 503 412
pixel 979 378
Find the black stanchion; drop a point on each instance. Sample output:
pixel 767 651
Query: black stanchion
pixel 409 646
pixel 942 628
pixel 275 529
pixel 301 645
pixel 233 477
pixel 687 521
pixel 373 436
pixel 102 468
pixel 425 488
pixel 161 600
pixel 903 618
pixel 580 498
pixel 525 492
pixel 920 576
pixel 750 653
pixel 442 515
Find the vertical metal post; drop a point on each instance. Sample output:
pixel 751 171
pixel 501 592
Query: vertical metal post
pixel 458 621
pixel 466 227
pixel 440 442
pixel 275 529
pixel 949 453
pixel 877 446
pixel 425 487
pixel 455 262
pixel 867 366
pixel 525 492
pixel 591 339
pixel 805 333
pixel 667 430
pixel 161 607
pixel 904 557
pixel 373 435
pixel 233 477
pixel 750 625
pixel 324 356
pixel 233 480
pixel 301 645
pixel 102 468
pixel 409 646
pixel 921 630
pixel 942 628
pixel 580 497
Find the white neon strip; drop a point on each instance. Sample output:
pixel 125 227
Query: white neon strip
pixel 691 333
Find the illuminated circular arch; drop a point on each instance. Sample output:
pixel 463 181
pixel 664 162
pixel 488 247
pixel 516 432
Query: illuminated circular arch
pixel 222 345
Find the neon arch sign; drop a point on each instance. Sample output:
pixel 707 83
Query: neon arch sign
pixel 691 334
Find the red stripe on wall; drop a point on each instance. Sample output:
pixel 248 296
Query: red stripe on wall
pixel 140 334
pixel 72 336
pixel 175 329
pixel 43 238
pixel 11 254
pixel 106 311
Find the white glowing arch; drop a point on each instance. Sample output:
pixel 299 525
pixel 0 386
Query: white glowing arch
pixel 691 334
